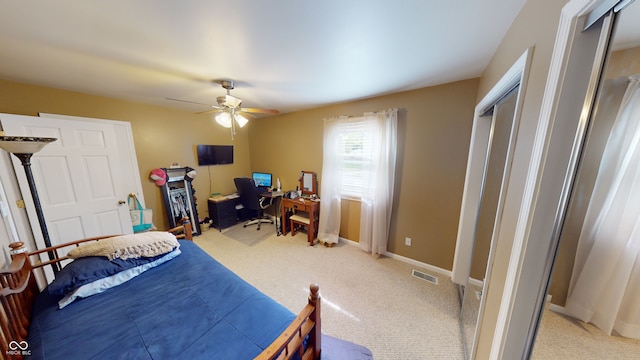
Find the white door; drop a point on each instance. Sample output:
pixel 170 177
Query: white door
pixel 8 232
pixel 81 178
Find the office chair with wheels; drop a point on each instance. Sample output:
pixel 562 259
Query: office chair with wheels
pixel 251 200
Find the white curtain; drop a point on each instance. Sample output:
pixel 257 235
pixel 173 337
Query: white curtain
pixel 329 225
pixel 377 189
pixel 605 284
pixel 377 199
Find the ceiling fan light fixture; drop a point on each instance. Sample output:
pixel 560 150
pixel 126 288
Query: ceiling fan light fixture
pixel 241 120
pixel 224 119
pixel 228 111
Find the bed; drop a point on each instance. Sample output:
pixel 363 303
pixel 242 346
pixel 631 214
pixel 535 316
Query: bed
pixel 189 306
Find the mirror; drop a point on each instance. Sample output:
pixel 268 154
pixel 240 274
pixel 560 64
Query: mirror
pixel 500 116
pixel 309 183
pixel 178 197
pixel 489 165
pixel 591 186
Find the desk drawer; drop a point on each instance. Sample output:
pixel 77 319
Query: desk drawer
pixel 223 213
pixel 301 207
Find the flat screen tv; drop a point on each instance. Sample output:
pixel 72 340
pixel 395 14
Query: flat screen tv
pixel 215 154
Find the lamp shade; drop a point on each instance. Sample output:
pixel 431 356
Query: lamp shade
pixel 224 119
pixel 241 120
pixel 24 144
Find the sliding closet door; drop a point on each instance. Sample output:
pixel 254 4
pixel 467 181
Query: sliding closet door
pixel 574 78
pixel 501 116
pixel 502 123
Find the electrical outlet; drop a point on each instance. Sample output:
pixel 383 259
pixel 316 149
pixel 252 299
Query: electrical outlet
pixel 407 241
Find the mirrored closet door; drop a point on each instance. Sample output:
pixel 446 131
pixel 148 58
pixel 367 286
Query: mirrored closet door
pixel 595 287
pixel 500 116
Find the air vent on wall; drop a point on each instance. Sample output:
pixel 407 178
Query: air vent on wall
pixel 426 277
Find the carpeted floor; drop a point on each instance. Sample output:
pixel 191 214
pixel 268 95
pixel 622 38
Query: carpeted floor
pixel 249 235
pixel 562 337
pixel 375 302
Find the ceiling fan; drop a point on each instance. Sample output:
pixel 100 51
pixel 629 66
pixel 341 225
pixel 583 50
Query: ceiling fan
pixel 229 111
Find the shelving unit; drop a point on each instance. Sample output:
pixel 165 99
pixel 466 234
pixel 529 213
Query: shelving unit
pixel 179 199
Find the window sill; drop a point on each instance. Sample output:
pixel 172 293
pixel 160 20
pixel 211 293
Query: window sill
pixel 351 198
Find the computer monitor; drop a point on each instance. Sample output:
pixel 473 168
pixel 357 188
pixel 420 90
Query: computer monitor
pixel 262 180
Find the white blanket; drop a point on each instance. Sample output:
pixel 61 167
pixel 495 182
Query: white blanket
pixel 148 244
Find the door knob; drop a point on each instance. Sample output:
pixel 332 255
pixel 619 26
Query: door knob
pixel 121 202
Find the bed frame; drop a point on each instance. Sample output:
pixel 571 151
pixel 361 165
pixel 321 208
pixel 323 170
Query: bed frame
pixel 19 290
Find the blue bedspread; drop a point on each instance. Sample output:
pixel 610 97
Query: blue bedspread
pixel 191 307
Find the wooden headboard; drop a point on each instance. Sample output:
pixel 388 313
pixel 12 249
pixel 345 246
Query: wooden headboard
pixel 19 291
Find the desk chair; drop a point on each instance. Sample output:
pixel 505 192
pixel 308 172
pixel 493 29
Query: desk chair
pixel 251 199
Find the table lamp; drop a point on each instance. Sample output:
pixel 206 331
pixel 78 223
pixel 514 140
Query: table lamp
pixel 23 147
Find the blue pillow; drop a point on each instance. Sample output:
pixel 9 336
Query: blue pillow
pixel 104 284
pixel 87 269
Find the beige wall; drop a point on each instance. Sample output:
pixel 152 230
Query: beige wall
pixel 623 63
pixel 535 26
pixel 433 138
pixel 161 135
pixel 434 131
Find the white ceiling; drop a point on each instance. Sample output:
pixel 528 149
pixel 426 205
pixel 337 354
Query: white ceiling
pixel 283 54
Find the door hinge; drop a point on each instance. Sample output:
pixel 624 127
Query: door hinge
pixel 20 204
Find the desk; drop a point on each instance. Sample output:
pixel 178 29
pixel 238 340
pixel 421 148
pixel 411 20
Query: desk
pixel 291 206
pixel 274 196
pixel 222 211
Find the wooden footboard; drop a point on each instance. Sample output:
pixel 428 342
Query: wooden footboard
pixel 305 326
pixel 19 290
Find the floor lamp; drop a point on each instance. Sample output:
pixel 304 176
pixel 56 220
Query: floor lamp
pixel 23 147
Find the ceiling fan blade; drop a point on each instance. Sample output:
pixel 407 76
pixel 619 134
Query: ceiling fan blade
pixel 260 111
pixel 244 113
pixel 187 101
pixel 210 111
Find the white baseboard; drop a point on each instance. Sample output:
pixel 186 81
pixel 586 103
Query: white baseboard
pixel 476 282
pixel 558 309
pixel 421 264
pixel 435 269
pixel 348 242
pixel 407 260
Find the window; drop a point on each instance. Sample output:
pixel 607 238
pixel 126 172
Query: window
pixel 355 149
pixel 358 162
